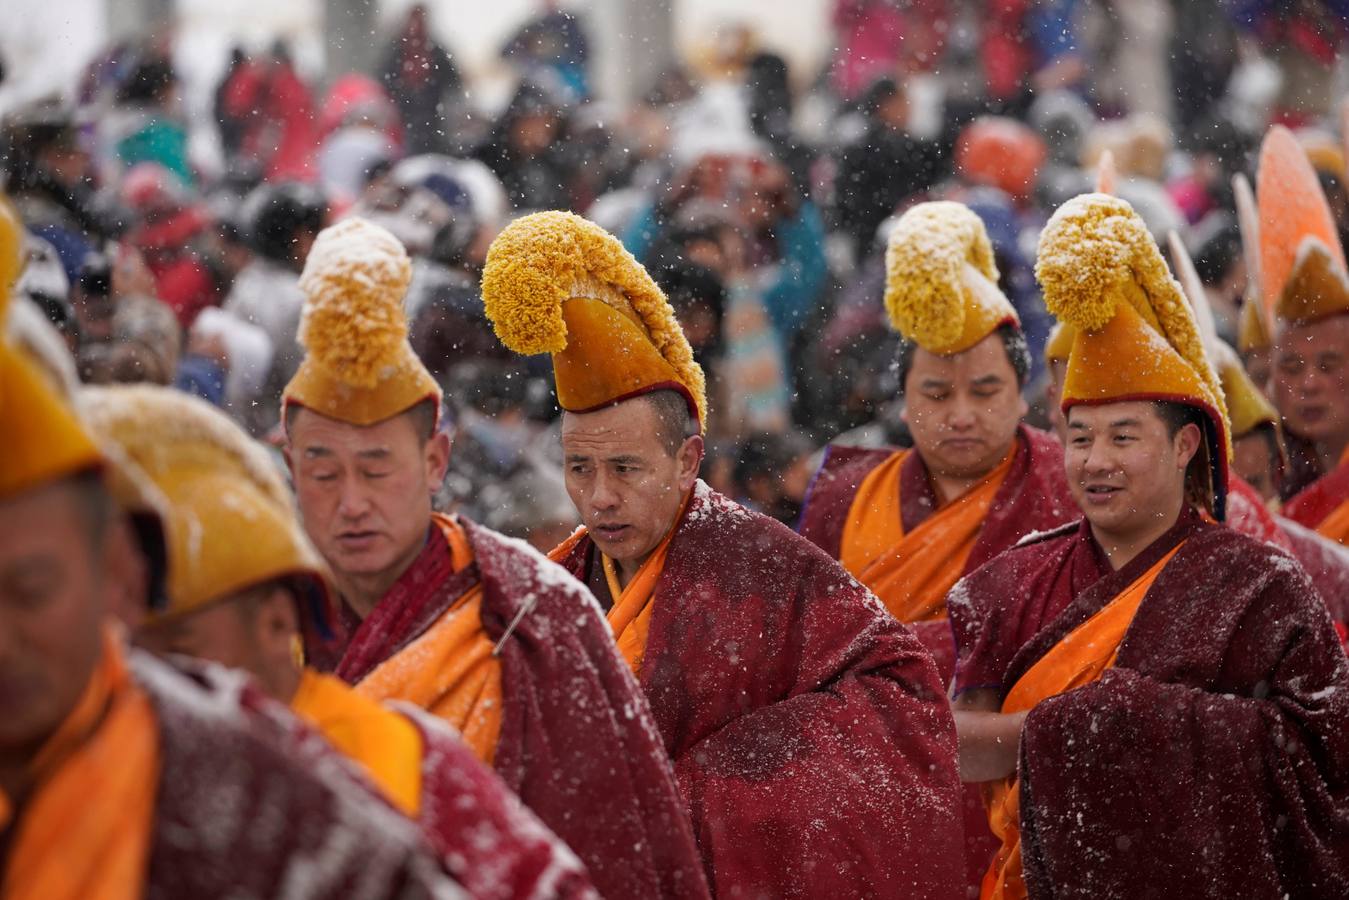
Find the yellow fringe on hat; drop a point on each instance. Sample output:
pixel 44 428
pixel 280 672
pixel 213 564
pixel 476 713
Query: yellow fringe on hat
pixel 354 282
pixel 926 254
pixel 544 259
pixel 1095 252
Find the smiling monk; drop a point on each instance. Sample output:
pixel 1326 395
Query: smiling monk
pixel 451 617
pixel 1158 704
pixel 806 726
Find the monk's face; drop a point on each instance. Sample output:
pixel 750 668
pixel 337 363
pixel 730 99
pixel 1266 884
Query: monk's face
pixel 252 630
pixel 963 410
pixel 58 579
pixel 624 479
pixel 365 491
pixel 1125 470
pixel 1255 460
pixel 1311 380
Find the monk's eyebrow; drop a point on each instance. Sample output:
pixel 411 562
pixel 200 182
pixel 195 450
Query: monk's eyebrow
pixel 623 459
pixel 373 453
pixel 317 453
pixel 934 383
pixel 1125 423
pixel 989 379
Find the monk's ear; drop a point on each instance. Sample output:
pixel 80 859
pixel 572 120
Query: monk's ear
pixel 437 457
pixel 690 459
pixel 1187 442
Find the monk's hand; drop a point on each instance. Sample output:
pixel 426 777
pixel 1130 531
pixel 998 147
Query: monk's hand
pixel 989 739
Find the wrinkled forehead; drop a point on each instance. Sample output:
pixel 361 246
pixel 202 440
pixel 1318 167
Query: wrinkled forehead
pixel 312 435
pixel 627 427
pixel 1312 339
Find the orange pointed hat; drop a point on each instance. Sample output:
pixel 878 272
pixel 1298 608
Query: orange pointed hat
pixel 941 284
pixel 217 484
pixel 358 367
pixel 557 283
pixel 1103 274
pixel 43 442
pixel 1302 265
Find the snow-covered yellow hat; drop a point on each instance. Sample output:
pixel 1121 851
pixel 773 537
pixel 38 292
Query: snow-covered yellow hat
pixel 941 284
pixel 557 283
pixel 1103 274
pixel 230 522
pixel 359 367
pixel 1060 343
pixel 43 441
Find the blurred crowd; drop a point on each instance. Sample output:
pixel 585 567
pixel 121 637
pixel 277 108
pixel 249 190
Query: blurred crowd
pixel 757 196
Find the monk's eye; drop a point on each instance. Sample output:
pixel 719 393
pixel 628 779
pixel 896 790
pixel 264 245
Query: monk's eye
pixel 935 396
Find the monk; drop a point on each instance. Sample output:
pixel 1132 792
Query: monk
pixel 805 724
pixel 241 604
pixel 441 613
pixel 1157 704
pixel 909 523
pixel 1304 283
pixel 120 777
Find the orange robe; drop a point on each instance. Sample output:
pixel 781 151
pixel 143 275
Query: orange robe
pixel 85 829
pixel 449 669
pixel 1078 659
pixel 1323 506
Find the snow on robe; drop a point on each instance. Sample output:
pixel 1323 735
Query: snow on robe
pixel 570 732
pixel 809 730
pixel 1209 760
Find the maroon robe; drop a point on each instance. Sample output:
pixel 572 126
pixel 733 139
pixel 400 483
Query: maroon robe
pixel 1320 498
pixel 577 744
pixel 1033 497
pixel 809 730
pixel 246 810
pixel 1326 562
pixel 1210 760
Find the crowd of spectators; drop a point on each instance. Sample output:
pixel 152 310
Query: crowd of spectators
pixel 758 197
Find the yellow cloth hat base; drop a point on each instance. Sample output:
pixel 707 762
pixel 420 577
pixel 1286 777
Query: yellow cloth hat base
pixel 402 385
pixel 1252 332
pixel 1316 287
pixel 209 509
pixel 608 358
pixel 1129 360
pixel 43 441
pixel 1247 407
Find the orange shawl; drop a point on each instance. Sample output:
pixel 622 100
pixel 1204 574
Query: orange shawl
pixel 1336 525
pixel 450 669
pixel 630 616
pixel 386 745
pixel 912 573
pixel 1078 659
pixel 85 832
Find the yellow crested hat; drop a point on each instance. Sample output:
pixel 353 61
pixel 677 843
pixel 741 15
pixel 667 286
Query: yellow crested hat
pixel 43 441
pixel 941 284
pixel 1103 274
pixel 557 283
pixel 359 367
pixel 229 520
pixel 1302 265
